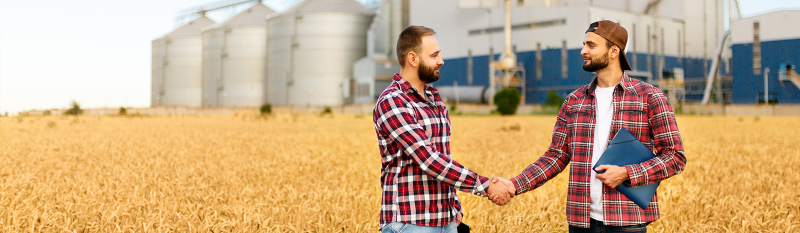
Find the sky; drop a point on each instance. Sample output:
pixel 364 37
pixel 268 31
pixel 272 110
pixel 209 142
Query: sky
pixel 98 52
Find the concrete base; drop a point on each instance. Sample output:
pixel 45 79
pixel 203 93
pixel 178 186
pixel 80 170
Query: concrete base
pixel 739 110
pixel 482 109
pixel 763 110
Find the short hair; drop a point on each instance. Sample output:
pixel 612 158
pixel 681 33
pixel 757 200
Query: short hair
pixel 411 40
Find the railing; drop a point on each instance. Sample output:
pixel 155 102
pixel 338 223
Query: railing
pixel 793 77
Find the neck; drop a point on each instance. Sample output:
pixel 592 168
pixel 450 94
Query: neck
pixel 609 77
pixel 412 77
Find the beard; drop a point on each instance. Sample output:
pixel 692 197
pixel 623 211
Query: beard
pixel 426 73
pixel 598 64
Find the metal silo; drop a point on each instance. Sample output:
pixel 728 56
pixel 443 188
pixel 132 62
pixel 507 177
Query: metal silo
pixel 311 51
pixel 234 53
pixel 177 66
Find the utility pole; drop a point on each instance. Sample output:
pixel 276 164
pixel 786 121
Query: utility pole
pixel 766 85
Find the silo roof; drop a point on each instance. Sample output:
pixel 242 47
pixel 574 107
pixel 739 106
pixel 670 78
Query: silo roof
pixel 193 28
pixel 346 6
pixel 253 16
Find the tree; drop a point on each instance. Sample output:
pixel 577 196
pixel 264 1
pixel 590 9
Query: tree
pixel 75 110
pixel 553 99
pixel 266 109
pixel 507 101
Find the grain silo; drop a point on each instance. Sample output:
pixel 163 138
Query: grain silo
pixel 234 59
pixel 177 66
pixel 311 50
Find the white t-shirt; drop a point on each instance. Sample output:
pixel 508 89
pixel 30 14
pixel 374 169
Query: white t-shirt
pixel 602 128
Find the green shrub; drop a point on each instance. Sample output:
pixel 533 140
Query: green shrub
pixel 266 109
pixel 507 101
pixel 122 111
pixel 75 109
pixel 553 99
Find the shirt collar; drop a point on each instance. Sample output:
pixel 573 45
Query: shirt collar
pixel 625 83
pixel 406 87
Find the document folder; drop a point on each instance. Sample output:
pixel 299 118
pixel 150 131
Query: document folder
pixel 623 150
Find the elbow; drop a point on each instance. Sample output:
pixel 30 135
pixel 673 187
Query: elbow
pixel 680 162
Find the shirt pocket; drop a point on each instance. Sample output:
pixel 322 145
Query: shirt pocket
pixel 633 116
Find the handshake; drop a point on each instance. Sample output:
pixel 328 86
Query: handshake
pixel 500 191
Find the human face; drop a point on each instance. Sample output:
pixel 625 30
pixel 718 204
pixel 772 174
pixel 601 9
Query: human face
pixel 429 55
pixel 595 53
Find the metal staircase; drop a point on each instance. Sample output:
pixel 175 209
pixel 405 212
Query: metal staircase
pixel 792 76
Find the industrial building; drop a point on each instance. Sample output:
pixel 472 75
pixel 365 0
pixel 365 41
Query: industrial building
pixel 373 73
pixel 766 50
pixel 667 40
pixel 234 59
pixel 311 50
pixel 339 52
pixel 177 66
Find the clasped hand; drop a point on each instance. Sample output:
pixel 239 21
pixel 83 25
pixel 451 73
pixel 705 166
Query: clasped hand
pixel 500 191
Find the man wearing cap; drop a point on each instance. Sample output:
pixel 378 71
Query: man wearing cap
pixel 588 121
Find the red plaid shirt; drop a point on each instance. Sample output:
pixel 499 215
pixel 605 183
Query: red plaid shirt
pixel 644 111
pixel 418 178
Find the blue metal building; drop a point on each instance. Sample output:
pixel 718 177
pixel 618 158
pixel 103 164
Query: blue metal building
pixel 766 46
pixel 670 37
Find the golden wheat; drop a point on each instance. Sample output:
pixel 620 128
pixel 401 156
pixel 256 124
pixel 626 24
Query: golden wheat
pixel 310 173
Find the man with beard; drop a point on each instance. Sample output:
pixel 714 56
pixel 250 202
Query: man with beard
pixel 418 177
pixel 588 121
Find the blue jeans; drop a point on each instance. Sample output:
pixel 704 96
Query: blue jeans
pixel 599 227
pixel 398 227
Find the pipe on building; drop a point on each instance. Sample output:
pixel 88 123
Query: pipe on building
pixel 712 73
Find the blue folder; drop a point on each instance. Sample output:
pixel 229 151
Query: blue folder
pixel 623 150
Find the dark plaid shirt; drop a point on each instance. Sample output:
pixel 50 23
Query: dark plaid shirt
pixel 644 111
pixel 418 178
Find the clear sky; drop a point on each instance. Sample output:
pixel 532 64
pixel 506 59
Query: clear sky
pixel 98 51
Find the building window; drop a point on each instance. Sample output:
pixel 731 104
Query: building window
pixel 564 59
pixel 538 60
pixel 679 46
pixel 469 67
pixel 649 52
pixel 661 59
pixel 362 89
pixel 756 48
pixel 633 37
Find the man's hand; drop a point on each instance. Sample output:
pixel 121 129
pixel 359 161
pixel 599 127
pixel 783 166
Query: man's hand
pixel 501 191
pixel 613 176
pixel 458 219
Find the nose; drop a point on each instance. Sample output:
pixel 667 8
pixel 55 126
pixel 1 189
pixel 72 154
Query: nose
pixel 584 51
pixel 440 61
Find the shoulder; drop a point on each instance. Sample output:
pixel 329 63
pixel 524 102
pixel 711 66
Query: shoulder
pixel 391 98
pixel 646 89
pixel 573 97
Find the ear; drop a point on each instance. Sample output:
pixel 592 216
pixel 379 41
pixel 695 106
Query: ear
pixel 614 52
pixel 412 58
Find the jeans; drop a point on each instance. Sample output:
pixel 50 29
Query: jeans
pixel 398 227
pixel 599 227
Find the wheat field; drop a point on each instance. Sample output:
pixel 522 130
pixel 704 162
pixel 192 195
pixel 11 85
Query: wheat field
pixel 312 173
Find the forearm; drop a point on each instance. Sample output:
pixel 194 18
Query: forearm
pixel 539 172
pixel 670 158
pixel 668 163
pixel 552 162
pixel 449 171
